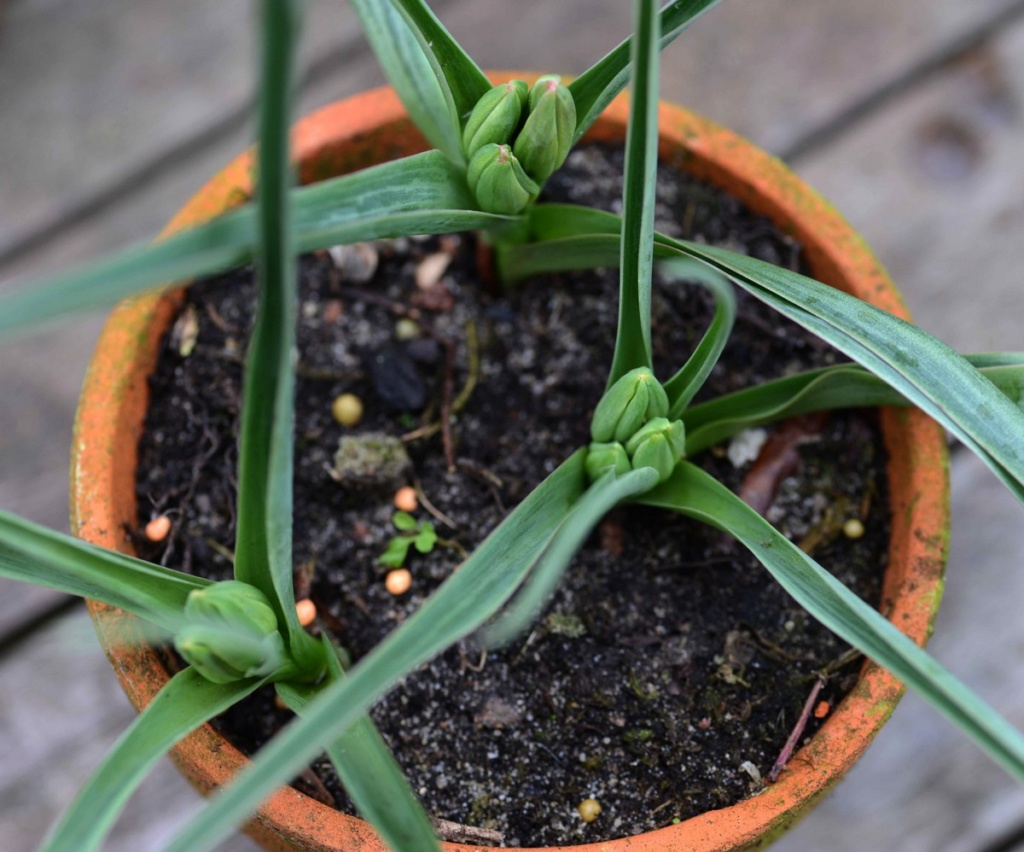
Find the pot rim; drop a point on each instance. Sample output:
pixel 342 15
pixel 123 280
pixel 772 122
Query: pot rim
pixel 343 137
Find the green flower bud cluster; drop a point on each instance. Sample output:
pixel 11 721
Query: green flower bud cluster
pixel 495 117
pixel 231 633
pixel 498 182
pixel 630 429
pixel 509 155
pixel 544 142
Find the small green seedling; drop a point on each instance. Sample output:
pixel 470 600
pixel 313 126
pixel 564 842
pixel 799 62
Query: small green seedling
pixel 412 533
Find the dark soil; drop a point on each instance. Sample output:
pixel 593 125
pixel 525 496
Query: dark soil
pixel 670 669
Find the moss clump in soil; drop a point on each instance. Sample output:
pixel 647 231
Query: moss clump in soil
pixel 669 669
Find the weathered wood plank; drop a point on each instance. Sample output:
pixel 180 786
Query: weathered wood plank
pixel 60 709
pixel 910 178
pixel 935 182
pixel 91 92
pixel 921 785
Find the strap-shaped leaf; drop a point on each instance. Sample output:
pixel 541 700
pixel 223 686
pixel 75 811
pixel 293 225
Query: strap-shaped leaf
pixel 839 386
pixel 466 81
pixel 596 87
pixel 692 492
pixel 562 236
pixel 633 339
pixel 187 701
pixel 43 557
pixel 603 496
pixel 422 194
pixel 469 597
pixel 921 368
pixel 369 772
pixel 263 542
pixel 692 375
pixel 415 75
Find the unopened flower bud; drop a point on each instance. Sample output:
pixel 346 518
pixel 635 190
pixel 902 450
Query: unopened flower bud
pixel 495 116
pixel 230 633
pixel 629 403
pixel 659 445
pixel 602 456
pixel 544 142
pixel 498 182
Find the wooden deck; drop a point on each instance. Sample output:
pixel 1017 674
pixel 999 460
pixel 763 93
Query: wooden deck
pixel 909 116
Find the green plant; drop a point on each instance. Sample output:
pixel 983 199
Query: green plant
pixel 493 149
pixel 412 533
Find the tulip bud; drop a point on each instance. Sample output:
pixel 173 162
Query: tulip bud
pixel 602 456
pixel 629 403
pixel 498 182
pixel 659 445
pixel 544 142
pixel 495 116
pixel 230 633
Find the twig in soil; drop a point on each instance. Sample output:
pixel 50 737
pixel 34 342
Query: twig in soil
pixel 220 549
pixel 465 664
pixel 770 647
pixel 197 466
pixel 554 756
pixel 778 458
pixel 432 509
pixel 798 730
pixel 447 389
pixel 321 375
pixel 428 430
pixel 382 301
pixel 493 481
pixel 219 321
pixel 473 356
pixel 478 469
pixel 841 662
pixel 316 788
pixel 522 651
pixel 453 832
pixel 666 804
pixel 222 354
pixel 451 544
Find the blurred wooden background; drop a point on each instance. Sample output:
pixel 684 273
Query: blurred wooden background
pixel 909 116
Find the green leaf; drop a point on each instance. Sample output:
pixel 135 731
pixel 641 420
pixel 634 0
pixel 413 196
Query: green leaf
pixel 562 236
pixel 37 555
pixel 426 538
pixel 369 773
pixel 517 261
pixel 692 375
pixel 633 338
pixel 461 604
pixel 924 370
pixel 603 496
pixel 839 386
pixel 396 553
pixel 263 543
pixel 403 521
pixel 465 80
pixel 597 87
pixel 422 194
pixel 185 703
pixel 693 493
pixel 414 73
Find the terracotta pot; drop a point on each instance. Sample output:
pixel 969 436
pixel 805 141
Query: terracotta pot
pixel 371 128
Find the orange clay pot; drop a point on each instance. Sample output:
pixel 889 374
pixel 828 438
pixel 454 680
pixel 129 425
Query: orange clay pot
pixel 371 128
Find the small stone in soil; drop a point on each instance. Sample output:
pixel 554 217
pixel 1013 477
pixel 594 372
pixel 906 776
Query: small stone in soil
pixel 373 459
pixel 396 381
